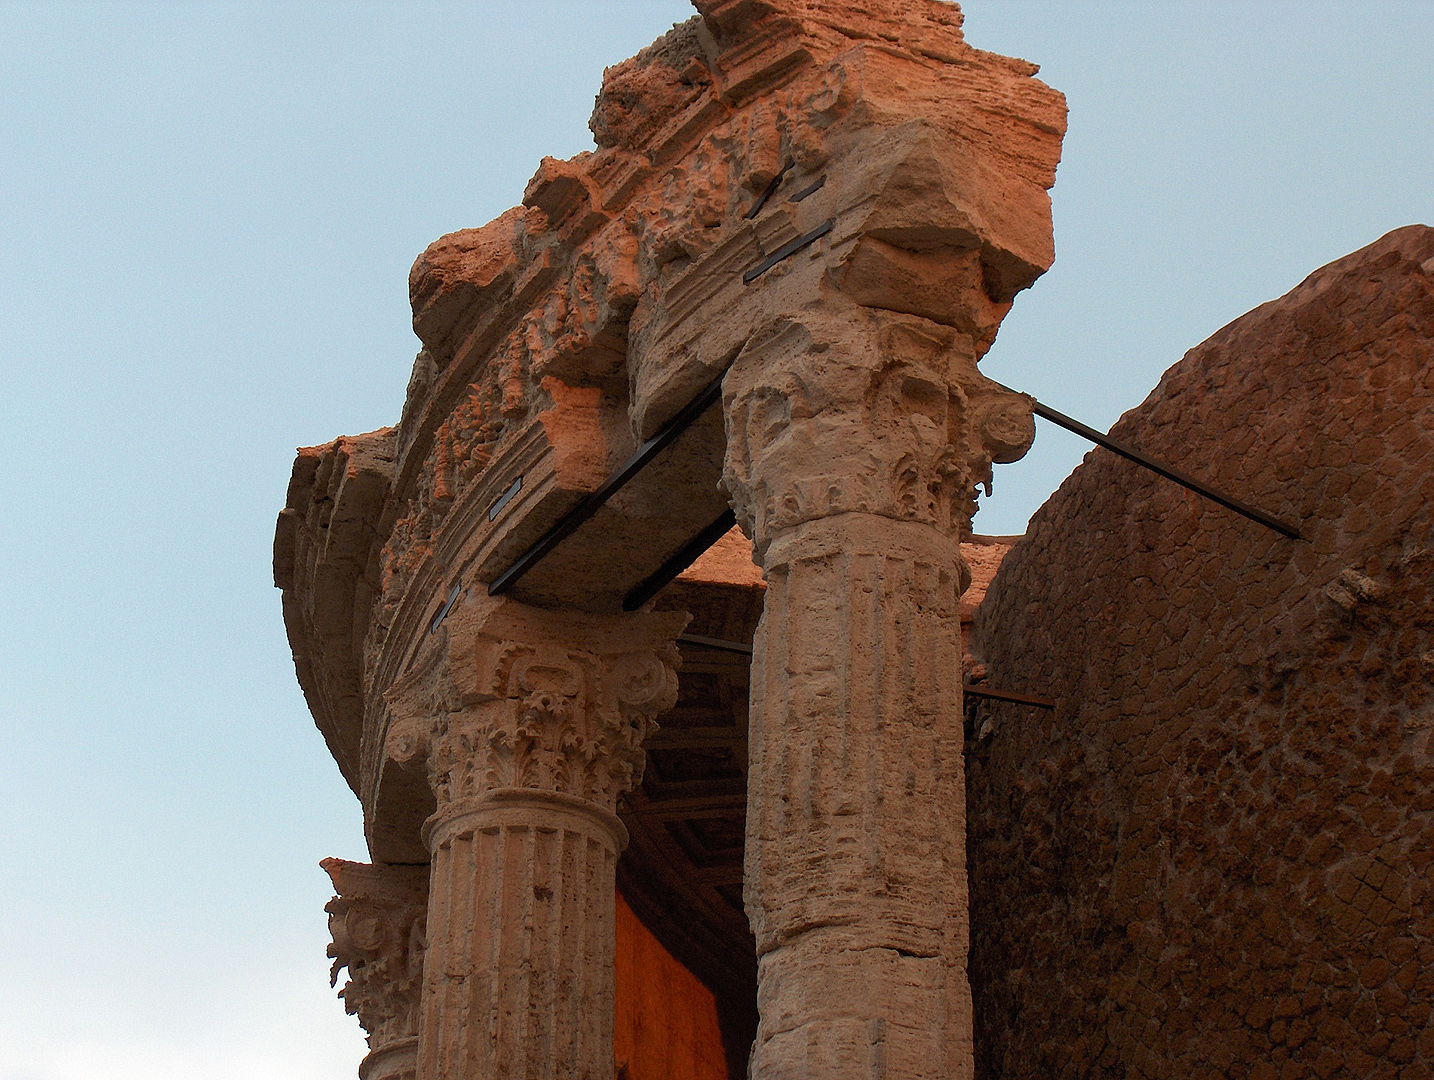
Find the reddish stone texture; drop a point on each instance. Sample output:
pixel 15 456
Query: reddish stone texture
pixel 1213 859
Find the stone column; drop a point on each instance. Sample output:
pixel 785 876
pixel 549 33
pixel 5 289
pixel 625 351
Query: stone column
pixel 377 924
pixel 854 447
pixel 532 729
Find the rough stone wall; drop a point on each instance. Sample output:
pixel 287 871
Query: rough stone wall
pixel 1213 859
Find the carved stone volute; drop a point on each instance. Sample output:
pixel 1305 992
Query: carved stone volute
pixel 527 725
pixel 834 204
pixel 513 697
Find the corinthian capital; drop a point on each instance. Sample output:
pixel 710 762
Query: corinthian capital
pixel 377 924
pixel 514 697
pixel 848 409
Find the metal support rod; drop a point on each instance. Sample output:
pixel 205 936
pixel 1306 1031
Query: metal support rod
pixel 1254 513
pixel 811 189
pixel 715 643
pixel 685 557
pixel 1004 695
pixel 767 193
pixel 968 688
pixel 569 523
pixel 786 251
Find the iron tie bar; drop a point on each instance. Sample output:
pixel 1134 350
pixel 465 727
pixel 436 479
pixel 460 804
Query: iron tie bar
pixel 591 503
pixel 1170 472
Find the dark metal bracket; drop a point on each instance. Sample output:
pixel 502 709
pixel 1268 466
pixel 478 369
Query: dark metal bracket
pixel 442 613
pixel 768 192
pixel 504 499
pixel 569 523
pixel 689 554
pixel 790 248
pixel 1145 461
pixel 811 189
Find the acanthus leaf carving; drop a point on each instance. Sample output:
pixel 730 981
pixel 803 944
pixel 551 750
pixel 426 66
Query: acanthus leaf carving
pixel 377 922
pixel 567 721
pixel 509 697
pixel 892 419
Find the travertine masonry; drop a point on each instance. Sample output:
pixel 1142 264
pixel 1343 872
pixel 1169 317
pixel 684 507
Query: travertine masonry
pixel 855 439
pixel 528 726
pixel 856 880
pixel 1213 860
pixel 829 207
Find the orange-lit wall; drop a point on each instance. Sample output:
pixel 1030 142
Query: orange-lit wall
pixel 666 1019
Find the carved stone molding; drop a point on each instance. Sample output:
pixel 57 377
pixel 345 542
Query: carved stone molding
pixel 835 205
pixel 378 925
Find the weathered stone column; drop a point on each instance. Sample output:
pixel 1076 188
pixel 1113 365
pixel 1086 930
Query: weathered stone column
pixel 855 440
pixel 529 725
pixel 377 923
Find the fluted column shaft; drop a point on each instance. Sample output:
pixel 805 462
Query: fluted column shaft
pixel 522 894
pixel 855 441
pixel 856 875
pixel 529 725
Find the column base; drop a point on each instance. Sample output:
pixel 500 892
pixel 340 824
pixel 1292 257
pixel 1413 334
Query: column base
pixel 397 1060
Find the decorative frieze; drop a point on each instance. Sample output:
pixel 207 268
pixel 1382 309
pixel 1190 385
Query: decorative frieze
pixel 831 207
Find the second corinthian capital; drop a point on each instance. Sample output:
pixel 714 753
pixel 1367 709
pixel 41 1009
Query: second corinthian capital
pixel 507 696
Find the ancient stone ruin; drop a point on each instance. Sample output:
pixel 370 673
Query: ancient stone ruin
pixel 640 637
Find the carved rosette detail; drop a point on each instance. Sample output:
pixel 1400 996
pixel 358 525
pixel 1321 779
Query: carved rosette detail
pixel 377 923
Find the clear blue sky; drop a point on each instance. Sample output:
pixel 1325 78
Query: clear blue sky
pixel 207 216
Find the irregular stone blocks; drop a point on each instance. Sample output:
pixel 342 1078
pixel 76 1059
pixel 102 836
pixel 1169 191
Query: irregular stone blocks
pixel 1214 858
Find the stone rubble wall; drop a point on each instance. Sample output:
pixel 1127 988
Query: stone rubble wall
pixel 1213 859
